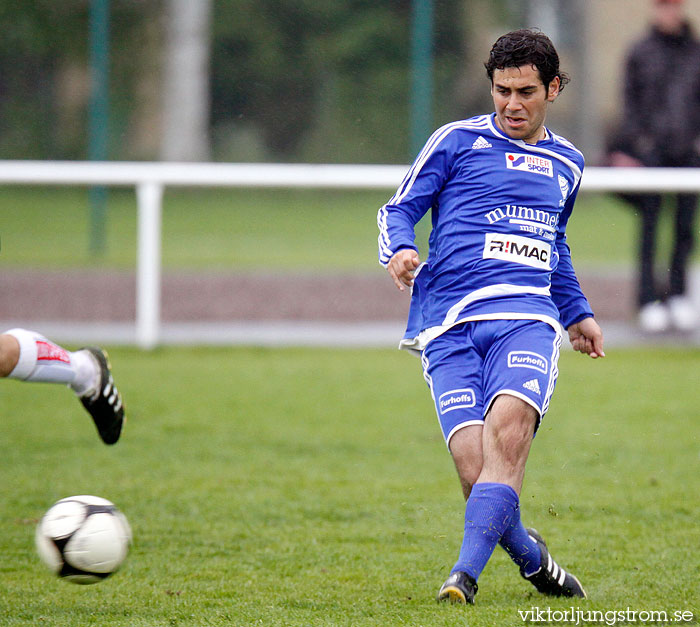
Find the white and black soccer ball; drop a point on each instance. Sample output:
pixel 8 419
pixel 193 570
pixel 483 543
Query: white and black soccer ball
pixel 83 539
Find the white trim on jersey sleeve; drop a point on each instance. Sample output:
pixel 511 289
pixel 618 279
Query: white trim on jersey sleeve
pixel 478 124
pixel 385 252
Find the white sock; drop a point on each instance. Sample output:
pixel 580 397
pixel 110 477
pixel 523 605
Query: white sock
pixel 87 373
pixel 42 360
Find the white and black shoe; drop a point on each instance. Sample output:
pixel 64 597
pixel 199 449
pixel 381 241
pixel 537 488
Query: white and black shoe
pixel 552 579
pixel 104 404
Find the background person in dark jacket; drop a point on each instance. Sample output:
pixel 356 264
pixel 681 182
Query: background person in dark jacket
pixel 660 127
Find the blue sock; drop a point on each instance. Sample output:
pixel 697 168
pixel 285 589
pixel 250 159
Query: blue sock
pixel 489 510
pixel 523 550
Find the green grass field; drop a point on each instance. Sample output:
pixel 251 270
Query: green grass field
pixel 304 487
pixel 283 230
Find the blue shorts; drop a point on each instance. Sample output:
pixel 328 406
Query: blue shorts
pixel 469 365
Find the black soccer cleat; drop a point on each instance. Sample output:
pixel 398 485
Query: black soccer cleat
pixel 105 404
pixel 459 588
pixel 552 579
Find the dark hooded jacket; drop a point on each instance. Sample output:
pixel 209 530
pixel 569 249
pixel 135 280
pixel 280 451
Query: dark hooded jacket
pixel 660 125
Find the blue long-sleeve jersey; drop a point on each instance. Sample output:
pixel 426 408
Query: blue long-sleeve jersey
pixel 497 249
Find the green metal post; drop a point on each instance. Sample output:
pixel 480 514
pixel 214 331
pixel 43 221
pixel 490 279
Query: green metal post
pixel 98 122
pixel 421 74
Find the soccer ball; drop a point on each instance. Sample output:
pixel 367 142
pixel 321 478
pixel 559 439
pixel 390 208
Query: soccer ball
pixel 83 539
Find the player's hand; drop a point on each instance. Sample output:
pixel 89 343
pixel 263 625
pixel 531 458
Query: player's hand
pixel 402 266
pixel 586 337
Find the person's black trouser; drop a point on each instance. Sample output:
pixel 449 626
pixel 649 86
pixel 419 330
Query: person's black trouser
pixel 649 206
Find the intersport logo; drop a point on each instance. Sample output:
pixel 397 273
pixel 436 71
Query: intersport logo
pixel 529 163
pixel 518 249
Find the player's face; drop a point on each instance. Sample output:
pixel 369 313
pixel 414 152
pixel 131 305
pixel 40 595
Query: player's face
pixel 521 100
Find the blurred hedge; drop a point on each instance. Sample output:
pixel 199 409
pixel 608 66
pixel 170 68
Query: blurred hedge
pixel 290 79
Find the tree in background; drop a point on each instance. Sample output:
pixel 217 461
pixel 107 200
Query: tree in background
pixel 304 80
pixel 290 80
pixel 35 47
pixel 44 75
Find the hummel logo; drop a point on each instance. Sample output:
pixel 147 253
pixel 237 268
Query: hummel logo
pixel 480 142
pixel 532 385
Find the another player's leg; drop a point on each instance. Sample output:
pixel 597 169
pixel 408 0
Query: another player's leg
pixel 9 354
pixel 104 404
pixel 28 356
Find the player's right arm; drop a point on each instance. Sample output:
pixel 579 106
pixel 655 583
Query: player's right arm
pixel 417 193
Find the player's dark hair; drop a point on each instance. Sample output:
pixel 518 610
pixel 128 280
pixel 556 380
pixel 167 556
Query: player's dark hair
pixel 526 47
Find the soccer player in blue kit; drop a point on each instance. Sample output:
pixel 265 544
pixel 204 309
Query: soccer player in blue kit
pixel 488 304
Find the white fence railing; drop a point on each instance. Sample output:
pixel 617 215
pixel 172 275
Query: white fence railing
pixel 150 179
